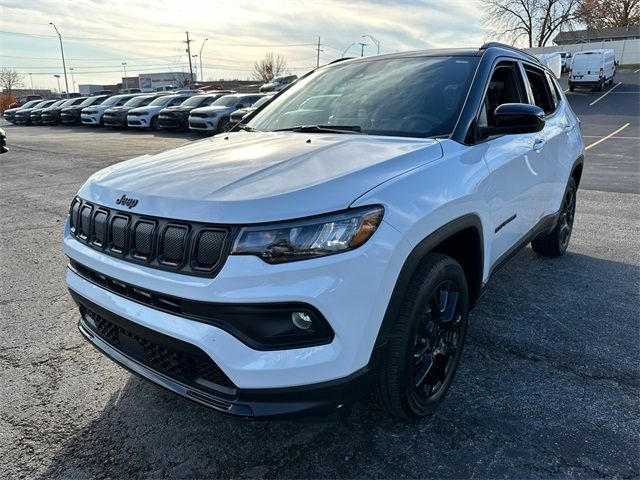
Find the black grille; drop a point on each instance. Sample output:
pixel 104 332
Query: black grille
pixel 190 248
pixel 189 366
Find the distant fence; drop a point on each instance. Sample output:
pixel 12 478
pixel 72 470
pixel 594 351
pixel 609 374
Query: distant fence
pixel 627 51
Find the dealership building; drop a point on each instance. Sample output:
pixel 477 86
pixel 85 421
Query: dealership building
pixel 148 82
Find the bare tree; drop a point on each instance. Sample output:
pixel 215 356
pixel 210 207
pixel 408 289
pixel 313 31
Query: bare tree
pixel 271 66
pixel 533 22
pixel 10 79
pixel 609 13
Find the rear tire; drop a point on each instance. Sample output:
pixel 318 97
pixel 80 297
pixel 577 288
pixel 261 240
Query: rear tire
pixel 571 88
pixel 153 125
pixel 555 243
pixel 423 350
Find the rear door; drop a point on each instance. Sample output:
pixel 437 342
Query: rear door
pixel 549 145
pixel 512 184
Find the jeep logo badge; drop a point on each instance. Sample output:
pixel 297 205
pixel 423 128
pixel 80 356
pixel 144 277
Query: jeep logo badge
pixel 127 202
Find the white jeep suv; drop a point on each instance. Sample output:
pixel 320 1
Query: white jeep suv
pixel 288 268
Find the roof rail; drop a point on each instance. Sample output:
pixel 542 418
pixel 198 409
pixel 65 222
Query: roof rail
pixel 509 47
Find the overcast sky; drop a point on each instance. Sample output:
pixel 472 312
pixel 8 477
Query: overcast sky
pixel 99 35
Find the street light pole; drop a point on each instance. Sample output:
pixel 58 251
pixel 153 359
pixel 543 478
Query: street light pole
pixel 125 84
pixel 64 67
pixel 195 65
pixel 347 49
pixel 58 79
pixel 362 45
pixel 200 54
pixel 73 80
pixel 376 42
pixel 31 78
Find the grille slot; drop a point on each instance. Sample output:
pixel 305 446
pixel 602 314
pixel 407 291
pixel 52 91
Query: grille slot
pixel 100 228
pixel 85 221
pixel 119 233
pixel 156 351
pixel 173 245
pixel 208 249
pixel 143 240
pixel 191 248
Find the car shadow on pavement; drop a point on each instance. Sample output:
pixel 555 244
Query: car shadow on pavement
pixel 544 390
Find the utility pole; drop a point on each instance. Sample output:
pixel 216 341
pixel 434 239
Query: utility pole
pixel 200 55
pixel 188 42
pixel 64 67
pixel 318 57
pixel 362 45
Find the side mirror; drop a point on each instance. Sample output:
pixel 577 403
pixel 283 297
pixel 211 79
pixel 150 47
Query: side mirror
pixel 515 118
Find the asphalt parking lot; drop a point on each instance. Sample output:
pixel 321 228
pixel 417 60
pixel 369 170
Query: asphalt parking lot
pixel 548 386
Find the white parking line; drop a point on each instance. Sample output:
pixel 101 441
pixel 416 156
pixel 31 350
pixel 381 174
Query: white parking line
pixel 607 137
pixel 636 71
pixel 605 94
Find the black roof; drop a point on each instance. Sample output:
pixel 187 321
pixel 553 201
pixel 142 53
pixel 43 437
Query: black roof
pixel 501 48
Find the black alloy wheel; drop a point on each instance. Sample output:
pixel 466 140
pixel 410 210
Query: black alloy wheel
pixel 436 341
pixel 555 243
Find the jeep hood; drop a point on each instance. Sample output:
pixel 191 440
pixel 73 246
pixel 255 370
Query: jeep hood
pixel 258 177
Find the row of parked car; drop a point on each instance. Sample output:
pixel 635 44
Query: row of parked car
pixel 210 112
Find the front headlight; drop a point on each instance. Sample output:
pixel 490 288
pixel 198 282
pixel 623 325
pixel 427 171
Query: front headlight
pixel 309 238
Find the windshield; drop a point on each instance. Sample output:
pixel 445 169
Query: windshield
pixel 73 101
pixel 93 101
pixel 410 97
pixel 162 101
pixel 43 104
pixel 195 101
pixel 262 101
pixel 112 100
pixel 139 101
pixel 226 101
pixel 30 104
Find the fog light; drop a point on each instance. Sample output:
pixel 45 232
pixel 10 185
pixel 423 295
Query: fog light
pixel 301 320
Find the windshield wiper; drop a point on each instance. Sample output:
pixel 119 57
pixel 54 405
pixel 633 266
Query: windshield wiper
pixel 246 128
pixel 323 129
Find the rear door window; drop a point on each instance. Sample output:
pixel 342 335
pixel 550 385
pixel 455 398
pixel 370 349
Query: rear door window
pixel 540 89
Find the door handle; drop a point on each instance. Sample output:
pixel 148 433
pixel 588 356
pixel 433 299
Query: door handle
pixel 538 144
pixel 567 128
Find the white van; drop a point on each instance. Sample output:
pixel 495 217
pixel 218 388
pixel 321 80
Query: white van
pixel 592 68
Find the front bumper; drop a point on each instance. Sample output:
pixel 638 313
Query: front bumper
pixel 115 121
pixel 69 118
pixel 22 120
pixel 91 119
pixel 138 121
pixel 264 404
pixel 203 124
pixel 170 122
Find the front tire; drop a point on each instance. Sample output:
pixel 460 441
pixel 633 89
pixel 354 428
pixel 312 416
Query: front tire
pixel 153 125
pixel 424 349
pixel 223 125
pixel 555 243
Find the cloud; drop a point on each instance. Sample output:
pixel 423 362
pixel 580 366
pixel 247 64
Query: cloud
pixel 100 35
